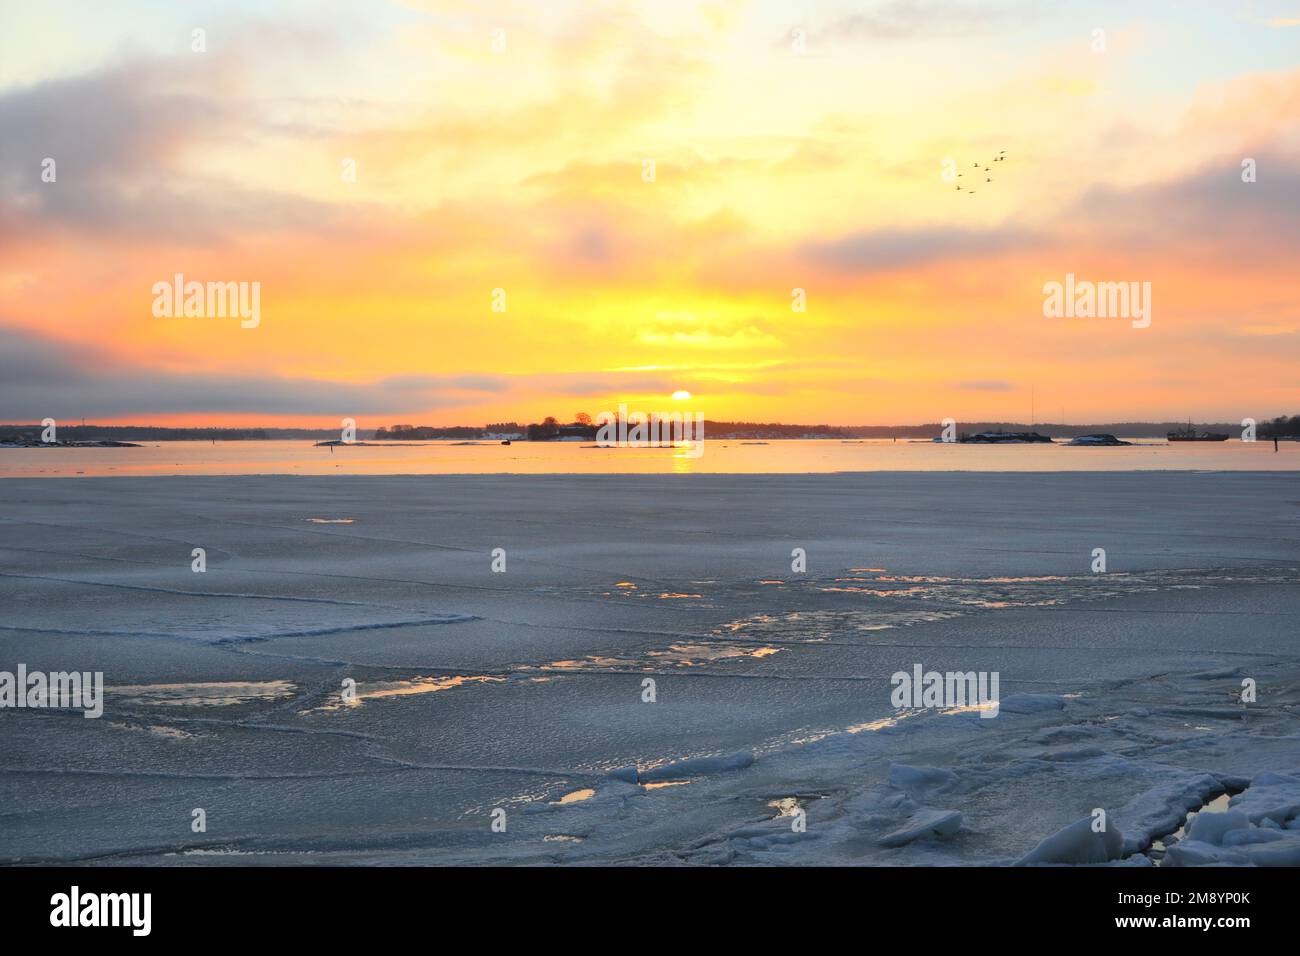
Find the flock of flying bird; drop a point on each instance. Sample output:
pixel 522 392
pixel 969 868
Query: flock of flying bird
pixel 987 169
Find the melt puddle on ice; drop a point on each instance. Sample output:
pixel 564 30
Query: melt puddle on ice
pixel 1218 805
pixel 958 596
pixel 380 690
pixel 785 807
pixel 159 730
pixel 646 592
pixel 689 654
pixel 813 625
pixel 677 655
pixel 208 694
pixel 881 723
pixel 991 592
pixel 630 589
pixel 1046 590
pixel 1257 826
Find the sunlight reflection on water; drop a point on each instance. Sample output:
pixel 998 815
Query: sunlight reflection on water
pixel 721 456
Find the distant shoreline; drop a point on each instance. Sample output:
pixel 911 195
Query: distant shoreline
pixel 102 443
pixel 746 431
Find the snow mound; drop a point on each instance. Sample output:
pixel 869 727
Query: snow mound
pixel 1213 827
pixel 1077 843
pixel 912 779
pixel 924 823
pixel 1270 796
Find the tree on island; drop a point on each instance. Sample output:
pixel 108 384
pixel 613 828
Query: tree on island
pixel 549 428
pixel 1281 427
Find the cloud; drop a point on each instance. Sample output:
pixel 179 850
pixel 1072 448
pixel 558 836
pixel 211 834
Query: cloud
pixel 421 383
pixel 588 385
pixel 1210 207
pixel 989 385
pixel 1209 211
pixel 121 139
pixel 40 377
pixel 890 249
pixel 925 19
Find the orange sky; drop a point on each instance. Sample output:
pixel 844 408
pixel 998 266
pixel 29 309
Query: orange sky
pixel 791 150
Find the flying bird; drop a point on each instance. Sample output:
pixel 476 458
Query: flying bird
pixel 1000 157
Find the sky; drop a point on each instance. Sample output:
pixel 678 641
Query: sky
pixel 561 207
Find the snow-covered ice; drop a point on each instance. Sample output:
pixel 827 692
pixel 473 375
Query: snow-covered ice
pixel 1261 827
pixel 372 691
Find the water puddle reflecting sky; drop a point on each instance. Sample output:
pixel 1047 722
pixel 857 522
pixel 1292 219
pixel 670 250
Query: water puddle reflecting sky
pixel 203 694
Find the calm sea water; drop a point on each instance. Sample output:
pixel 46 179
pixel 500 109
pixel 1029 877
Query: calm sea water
pixel 719 457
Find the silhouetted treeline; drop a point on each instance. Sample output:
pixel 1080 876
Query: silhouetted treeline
pixel 1118 429
pixel 773 430
pixel 426 432
pixel 1280 427
pixel 584 428
pixel 134 433
pixel 550 430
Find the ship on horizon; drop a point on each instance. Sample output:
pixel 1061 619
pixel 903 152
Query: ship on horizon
pixel 1191 434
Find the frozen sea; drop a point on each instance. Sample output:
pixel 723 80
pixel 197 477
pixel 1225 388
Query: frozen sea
pixel 720 456
pixel 351 681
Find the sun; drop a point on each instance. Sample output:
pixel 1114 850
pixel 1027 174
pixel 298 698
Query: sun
pixel 681 396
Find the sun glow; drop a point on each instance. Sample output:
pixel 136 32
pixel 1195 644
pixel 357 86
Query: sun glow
pixel 631 193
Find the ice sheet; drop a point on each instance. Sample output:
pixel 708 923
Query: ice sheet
pixel 771 737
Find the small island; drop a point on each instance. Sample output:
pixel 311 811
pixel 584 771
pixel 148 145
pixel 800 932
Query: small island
pixel 36 443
